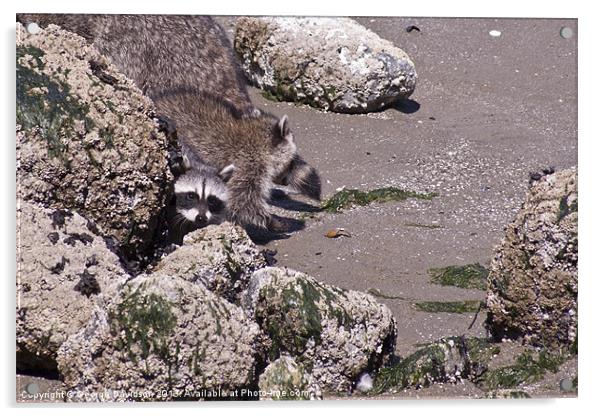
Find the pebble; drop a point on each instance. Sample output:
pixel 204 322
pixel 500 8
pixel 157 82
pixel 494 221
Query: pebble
pixel 33 28
pixel 365 383
pixel 495 33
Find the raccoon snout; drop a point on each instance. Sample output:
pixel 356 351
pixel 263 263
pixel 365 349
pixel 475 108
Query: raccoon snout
pixel 200 220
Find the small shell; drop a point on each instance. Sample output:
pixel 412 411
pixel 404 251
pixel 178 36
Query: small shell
pixel 337 232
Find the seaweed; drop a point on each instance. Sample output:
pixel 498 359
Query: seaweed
pixel 418 225
pixel 565 209
pixel 527 369
pixel 144 321
pixel 464 306
pixel 293 314
pixel 354 197
pixel 469 276
pixel 444 360
pixel 51 108
pixel 293 318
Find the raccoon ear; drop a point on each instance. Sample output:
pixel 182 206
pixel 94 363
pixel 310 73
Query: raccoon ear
pixel 284 129
pixel 226 173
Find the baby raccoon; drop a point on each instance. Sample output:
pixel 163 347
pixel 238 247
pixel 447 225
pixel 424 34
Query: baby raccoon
pixel 186 65
pixel 200 198
pixel 261 147
pixel 161 52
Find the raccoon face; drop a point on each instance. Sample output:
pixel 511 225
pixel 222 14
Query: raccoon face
pixel 291 170
pixel 201 198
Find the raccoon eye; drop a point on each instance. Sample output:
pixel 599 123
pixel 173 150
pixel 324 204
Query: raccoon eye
pixel 191 196
pixel 214 204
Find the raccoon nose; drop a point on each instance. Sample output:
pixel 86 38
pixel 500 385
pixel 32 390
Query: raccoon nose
pixel 201 220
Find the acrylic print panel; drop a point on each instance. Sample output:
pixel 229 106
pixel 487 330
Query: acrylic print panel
pixel 243 208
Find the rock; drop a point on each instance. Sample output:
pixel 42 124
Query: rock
pixel 334 64
pixel 334 333
pixel 446 360
pixel 220 257
pixel 532 287
pixel 284 379
pixel 365 383
pixel 64 270
pixel 162 338
pixel 86 140
pixel 528 369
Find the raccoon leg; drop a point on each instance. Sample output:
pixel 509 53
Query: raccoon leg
pixel 249 188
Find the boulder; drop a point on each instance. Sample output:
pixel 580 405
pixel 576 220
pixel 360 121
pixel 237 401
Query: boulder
pixel 284 379
pixel 334 333
pixel 447 360
pixel 163 338
pixel 86 140
pixel 220 257
pixel 532 286
pixel 63 271
pixel 333 64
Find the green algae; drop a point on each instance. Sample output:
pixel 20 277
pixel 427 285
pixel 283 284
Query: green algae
pixel 469 276
pixel 292 317
pixel 526 370
pixel 378 294
pixel 143 322
pixel 47 105
pixel 419 225
pixel 293 314
pixel 440 361
pixel 464 306
pixel 353 197
pixel 565 209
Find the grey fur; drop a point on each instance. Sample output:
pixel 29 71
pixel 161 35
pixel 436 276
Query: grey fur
pixel 161 52
pixel 255 146
pixel 187 66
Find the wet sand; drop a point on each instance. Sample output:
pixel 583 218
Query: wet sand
pixel 486 112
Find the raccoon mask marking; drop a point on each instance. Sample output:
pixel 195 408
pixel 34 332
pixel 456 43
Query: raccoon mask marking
pixel 200 198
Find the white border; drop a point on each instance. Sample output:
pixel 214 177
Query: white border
pixel 589 155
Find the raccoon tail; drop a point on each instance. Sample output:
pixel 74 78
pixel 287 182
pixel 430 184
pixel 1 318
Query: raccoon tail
pixel 304 178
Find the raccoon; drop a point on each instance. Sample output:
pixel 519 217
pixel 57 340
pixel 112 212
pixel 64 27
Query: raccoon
pixel 199 198
pixel 261 148
pixel 161 52
pixel 186 65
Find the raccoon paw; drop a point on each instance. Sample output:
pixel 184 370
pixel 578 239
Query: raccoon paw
pixel 277 224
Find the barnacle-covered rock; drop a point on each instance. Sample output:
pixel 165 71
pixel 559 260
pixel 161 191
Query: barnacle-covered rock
pixel 64 271
pixel 162 338
pixel 284 379
pixel 335 334
pixel 334 64
pixel 220 257
pixel 86 140
pixel 532 287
